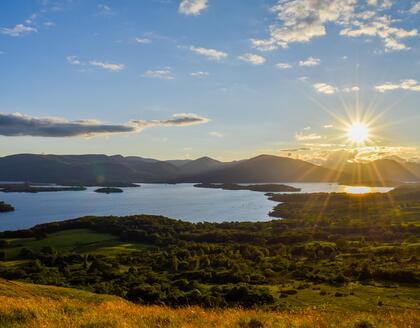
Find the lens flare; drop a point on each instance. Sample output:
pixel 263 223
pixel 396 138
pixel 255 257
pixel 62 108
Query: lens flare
pixel 358 133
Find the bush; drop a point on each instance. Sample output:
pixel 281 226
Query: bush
pixel 364 323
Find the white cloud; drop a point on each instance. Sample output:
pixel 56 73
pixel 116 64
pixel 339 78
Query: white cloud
pixel 192 7
pixel 73 60
pixel 303 20
pixel 310 61
pixel 17 30
pixel 328 126
pixel 351 89
pixel 216 134
pixel 164 74
pixel 209 53
pixel 324 88
pixel 381 27
pixel 306 137
pixel 408 84
pixel 143 40
pixel 49 24
pixel 300 21
pixel 416 8
pixel 112 67
pixel 252 59
pixel 263 45
pixel 199 74
pixel 283 65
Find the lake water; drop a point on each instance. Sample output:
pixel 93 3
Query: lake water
pixel 180 201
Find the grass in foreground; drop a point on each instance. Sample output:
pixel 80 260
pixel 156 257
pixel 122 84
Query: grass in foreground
pixel 28 305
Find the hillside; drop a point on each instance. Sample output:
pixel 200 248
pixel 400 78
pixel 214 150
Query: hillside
pixel 28 305
pixel 267 168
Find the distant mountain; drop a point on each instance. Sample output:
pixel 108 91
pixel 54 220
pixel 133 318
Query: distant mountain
pixel 265 168
pixel 201 165
pixel 84 169
pixel 118 170
pixel 384 171
pixel 178 162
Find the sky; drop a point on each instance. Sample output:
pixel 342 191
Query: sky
pixel 229 79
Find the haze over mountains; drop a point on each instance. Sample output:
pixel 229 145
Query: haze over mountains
pixel 103 169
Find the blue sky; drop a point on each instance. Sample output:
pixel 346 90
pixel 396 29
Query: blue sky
pixel 242 77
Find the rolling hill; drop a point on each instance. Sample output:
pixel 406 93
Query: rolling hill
pixel 29 305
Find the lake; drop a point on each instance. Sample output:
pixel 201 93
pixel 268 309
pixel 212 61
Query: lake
pixel 180 201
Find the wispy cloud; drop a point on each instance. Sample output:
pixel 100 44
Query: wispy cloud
pixel 104 10
pixel 112 67
pixel 252 59
pixel 408 84
pixel 354 88
pixel 209 53
pixel 13 125
pixel 164 74
pixel 324 88
pixel 143 40
pixel 199 74
pixel 283 65
pixel 192 7
pixel 18 30
pixel 216 134
pixel 73 60
pixel 301 136
pixel 310 61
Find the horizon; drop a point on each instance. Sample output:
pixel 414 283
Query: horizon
pixel 312 81
pixel 394 159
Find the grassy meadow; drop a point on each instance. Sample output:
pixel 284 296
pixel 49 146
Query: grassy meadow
pixel 27 305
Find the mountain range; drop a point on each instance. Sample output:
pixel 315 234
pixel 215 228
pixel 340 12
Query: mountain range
pixel 107 170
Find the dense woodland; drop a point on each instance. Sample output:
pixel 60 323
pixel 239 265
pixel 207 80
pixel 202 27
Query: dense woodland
pixel 329 239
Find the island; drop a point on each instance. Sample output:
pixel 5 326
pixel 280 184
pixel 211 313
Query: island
pixel 25 187
pixel 109 190
pixel 4 207
pixel 272 187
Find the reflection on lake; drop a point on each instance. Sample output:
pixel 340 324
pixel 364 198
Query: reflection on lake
pixel 359 190
pixel 181 201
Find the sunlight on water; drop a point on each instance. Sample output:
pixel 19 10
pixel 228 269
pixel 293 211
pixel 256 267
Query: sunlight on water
pixel 359 190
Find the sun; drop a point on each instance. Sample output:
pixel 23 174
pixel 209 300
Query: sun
pixel 358 133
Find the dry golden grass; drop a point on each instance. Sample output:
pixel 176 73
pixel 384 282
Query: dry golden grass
pixel 25 305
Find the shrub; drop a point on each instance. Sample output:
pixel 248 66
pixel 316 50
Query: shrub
pixel 363 323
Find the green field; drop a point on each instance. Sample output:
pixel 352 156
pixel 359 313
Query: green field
pixel 80 241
